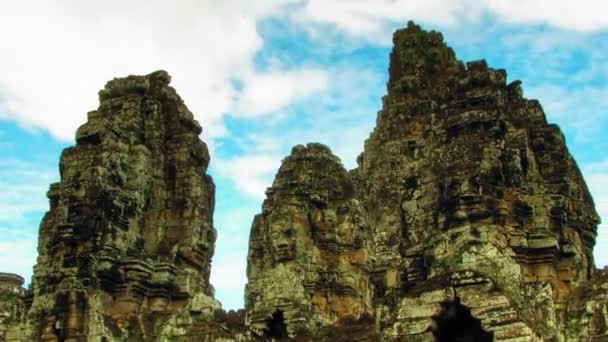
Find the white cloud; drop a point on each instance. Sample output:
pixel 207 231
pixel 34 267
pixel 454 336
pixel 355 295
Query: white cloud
pixel 372 18
pixel 251 174
pixel 341 117
pixel 230 272
pixel 18 256
pixel 22 202
pixel 56 56
pixel 600 251
pixel 271 91
pixel 582 15
pixel 581 109
pixel 229 279
pixel 22 189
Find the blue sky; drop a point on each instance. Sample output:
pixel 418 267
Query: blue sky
pixel 263 76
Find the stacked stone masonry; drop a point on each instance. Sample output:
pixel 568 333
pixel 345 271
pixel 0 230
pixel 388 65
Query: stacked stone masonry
pixel 465 219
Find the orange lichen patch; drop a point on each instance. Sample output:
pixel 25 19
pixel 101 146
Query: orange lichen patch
pixel 319 302
pixel 567 273
pixel 300 219
pixel 411 128
pixel 539 273
pixel 510 196
pixel 357 257
pixel 561 290
pixel 344 306
pixel 329 258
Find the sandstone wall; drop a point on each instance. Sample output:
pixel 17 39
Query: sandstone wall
pixel 465 219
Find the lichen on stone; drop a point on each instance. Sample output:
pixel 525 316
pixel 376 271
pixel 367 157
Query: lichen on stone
pixel 465 218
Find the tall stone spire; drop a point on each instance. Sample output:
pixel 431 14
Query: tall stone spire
pixel 465 219
pixel 420 61
pixel 472 196
pixel 128 240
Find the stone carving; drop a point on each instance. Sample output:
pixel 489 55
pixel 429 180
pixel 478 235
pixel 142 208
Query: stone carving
pixel 466 218
pixel 11 301
pixel 308 257
pixel 127 244
pixel 490 209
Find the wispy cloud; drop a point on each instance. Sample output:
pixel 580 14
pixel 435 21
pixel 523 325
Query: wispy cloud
pixel 22 188
pixel 206 46
pixel 18 256
pixel 22 203
pixel 583 110
pixel 274 90
pixel 341 117
pixel 229 279
pixel 74 47
pixel 374 19
pixel 251 174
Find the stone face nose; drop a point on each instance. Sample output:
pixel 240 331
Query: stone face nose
pixel 469 186
pixel 283 244
pixel 468 198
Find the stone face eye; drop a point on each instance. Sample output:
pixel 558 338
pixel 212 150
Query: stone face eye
pixel 275 231
pixel 454 186
pixel 342 209
pixel 290 232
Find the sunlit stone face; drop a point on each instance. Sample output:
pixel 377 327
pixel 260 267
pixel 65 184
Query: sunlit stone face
pixel 325 224
pixel 284 227
pixel 347 225
pixel 388 227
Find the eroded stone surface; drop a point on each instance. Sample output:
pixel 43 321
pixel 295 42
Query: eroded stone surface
pixel 309 258
pixel 464 177
pixel 126 247
pixel 466 217
pixel 11 301
pixel 473 202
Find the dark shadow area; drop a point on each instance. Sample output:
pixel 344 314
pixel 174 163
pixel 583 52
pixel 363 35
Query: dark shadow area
pixel 276 327
pixel 454 323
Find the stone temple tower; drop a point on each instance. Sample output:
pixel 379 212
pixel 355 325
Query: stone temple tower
pixel 126 246
pixel 466 219
pixel 475 220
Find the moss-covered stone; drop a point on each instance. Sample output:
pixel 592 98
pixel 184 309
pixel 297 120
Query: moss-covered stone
pixel 466 218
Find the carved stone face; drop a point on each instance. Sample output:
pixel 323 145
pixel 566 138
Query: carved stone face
pixel 466 201
pixel 325 223
pixel 389 226
pixel 347 225
pixel 283 229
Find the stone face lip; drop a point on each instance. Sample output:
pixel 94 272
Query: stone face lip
pixel 465 219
